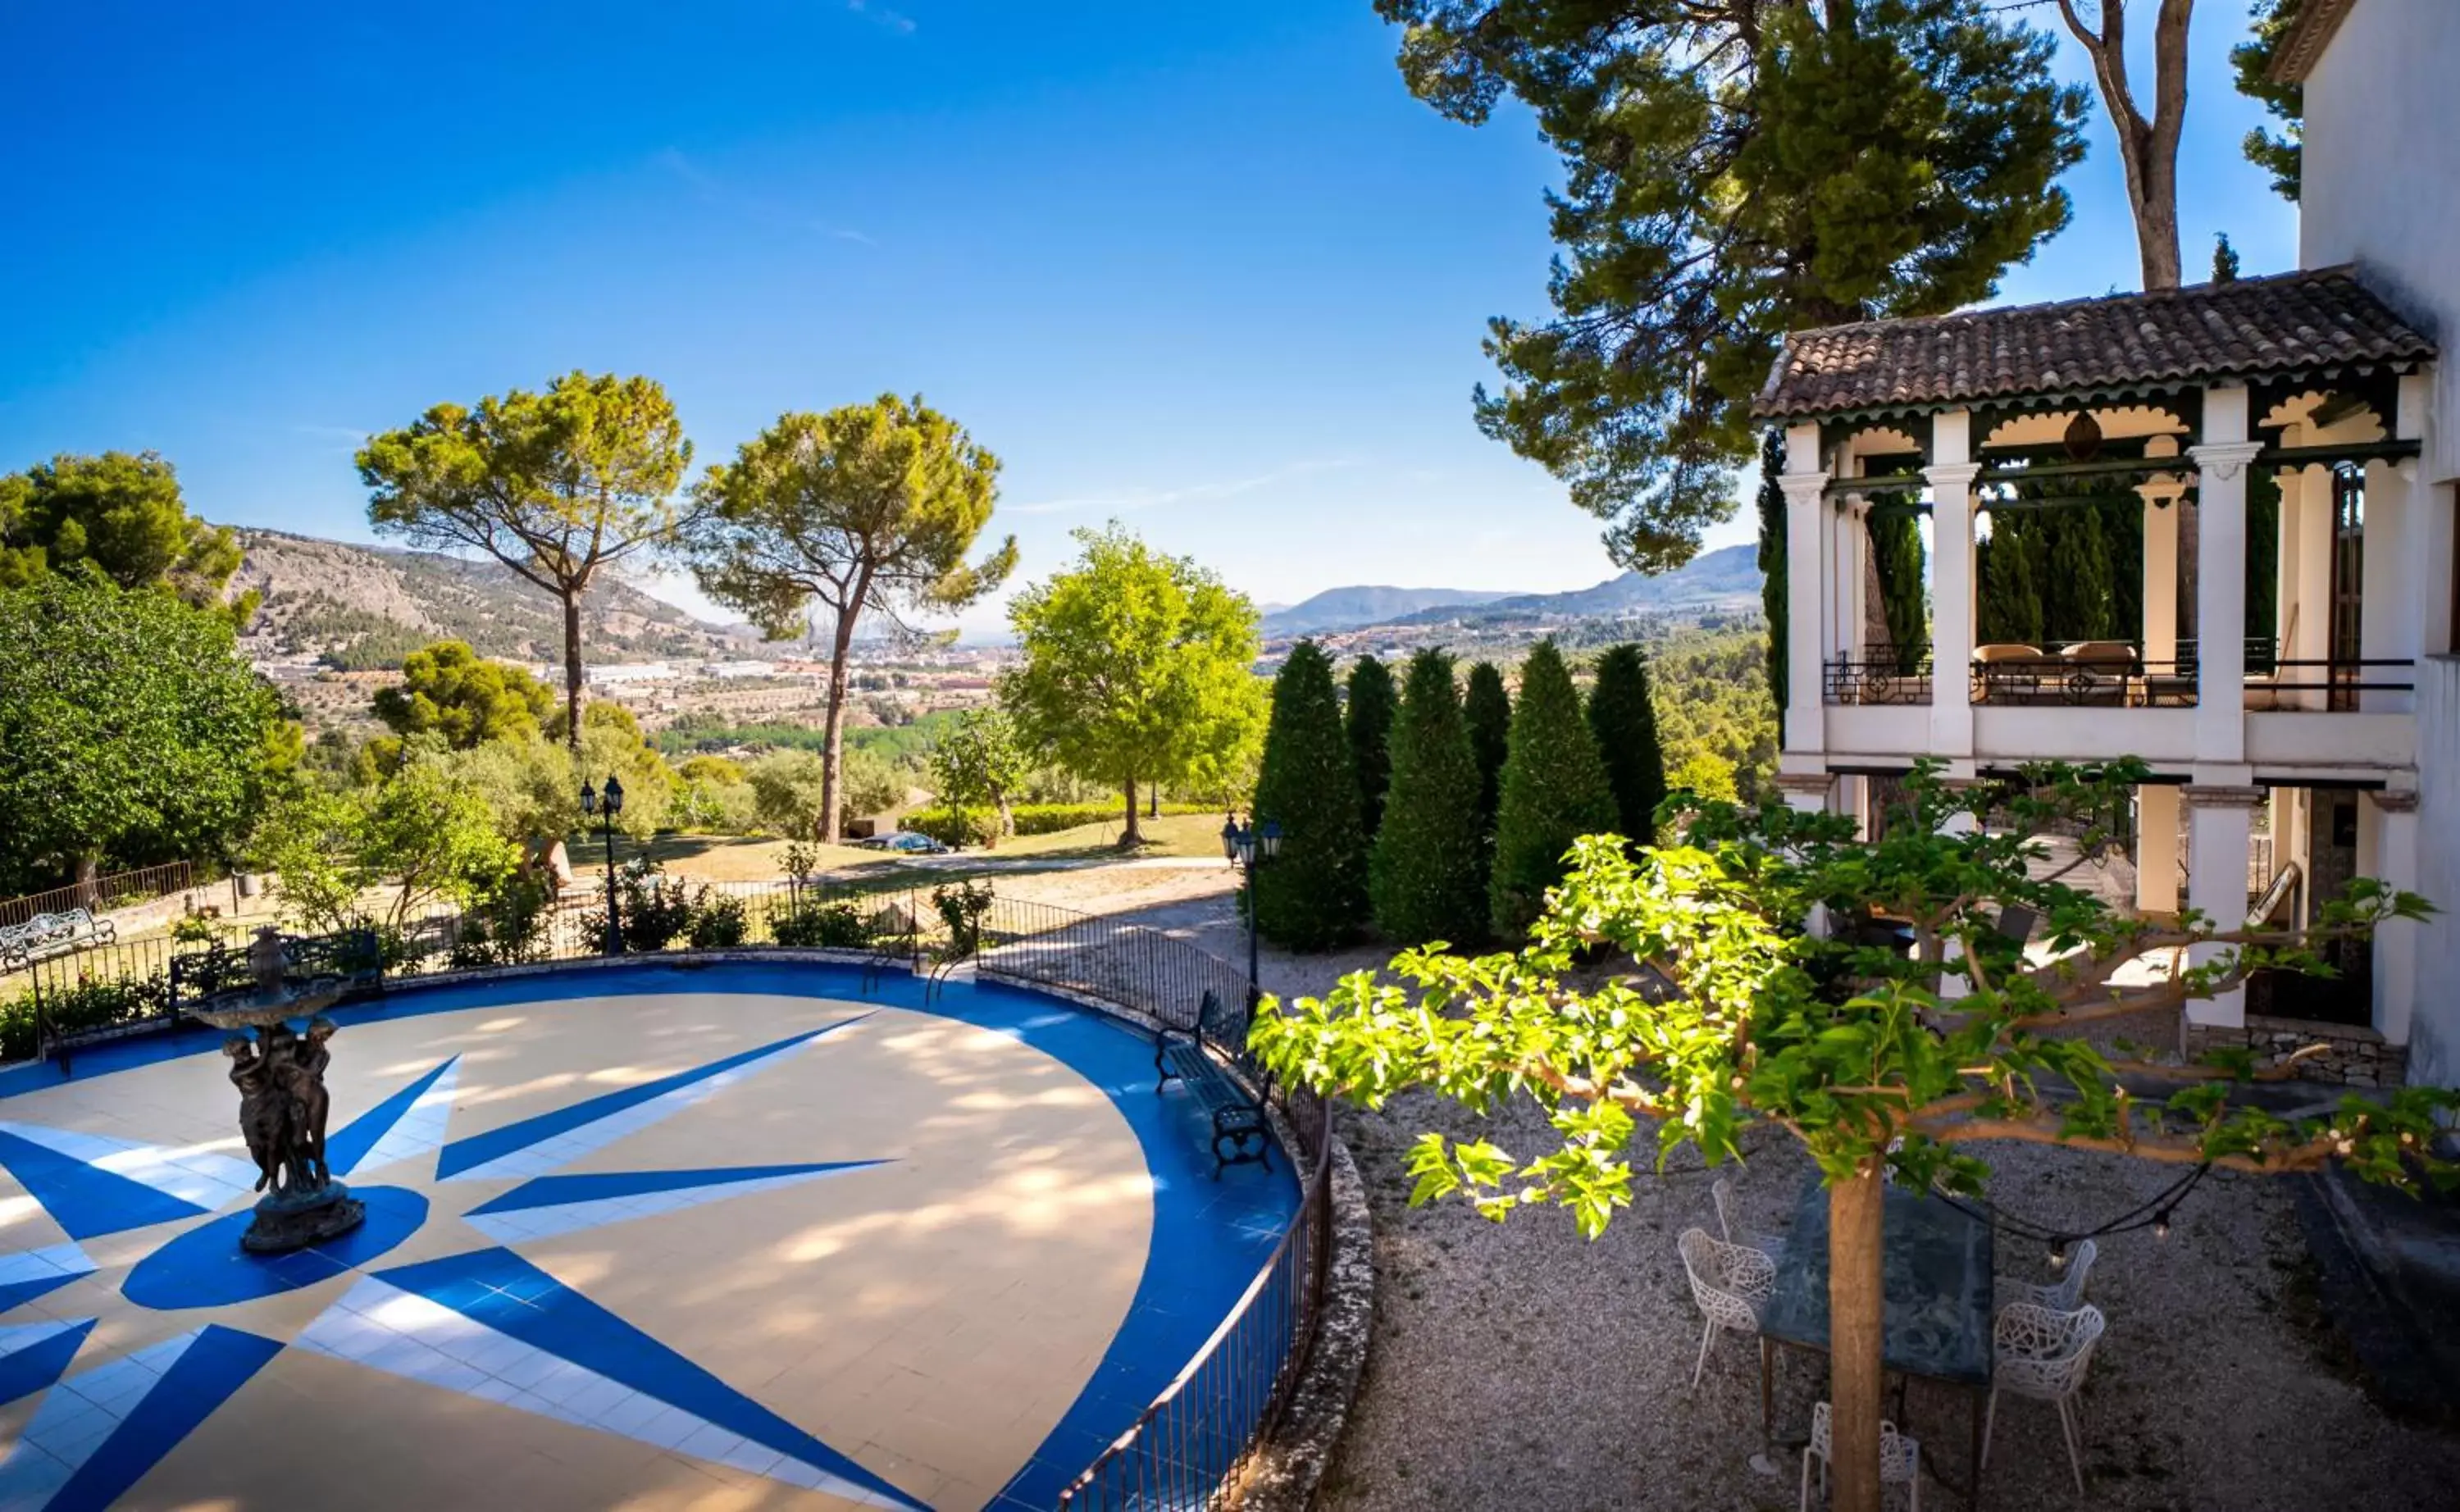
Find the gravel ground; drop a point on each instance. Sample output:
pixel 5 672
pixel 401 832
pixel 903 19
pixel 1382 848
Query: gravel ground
pixel 1517 1366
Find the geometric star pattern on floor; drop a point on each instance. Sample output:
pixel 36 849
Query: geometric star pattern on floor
pixel 485 1323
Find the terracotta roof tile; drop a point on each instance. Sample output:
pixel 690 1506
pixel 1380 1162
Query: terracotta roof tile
pixel 2254 327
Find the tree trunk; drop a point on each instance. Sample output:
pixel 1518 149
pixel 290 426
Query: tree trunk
pixel 1133 836
pixel 833 746
pixel 89 868
pixel 1857 1308
pixel 572 670
pixel 2147 149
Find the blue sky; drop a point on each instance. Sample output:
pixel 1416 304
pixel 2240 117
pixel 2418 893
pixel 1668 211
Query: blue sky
pixel 1207 269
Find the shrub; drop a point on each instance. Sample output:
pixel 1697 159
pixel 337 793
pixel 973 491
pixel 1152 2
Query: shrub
pixel 827 926
pixel 507 926
pixel 1427 873
pixel 1315 894
pixel 717 922
pixel 1553 792
pixel 654 911
pixel 960 906
pixel 89 1004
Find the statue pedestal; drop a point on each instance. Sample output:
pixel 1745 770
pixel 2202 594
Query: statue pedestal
pixel 288 1220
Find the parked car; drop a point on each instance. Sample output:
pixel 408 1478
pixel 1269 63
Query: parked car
pixel 906 842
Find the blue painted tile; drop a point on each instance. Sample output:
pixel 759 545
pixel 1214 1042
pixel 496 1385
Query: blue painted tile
pixel 85 1199
pixel 204 1376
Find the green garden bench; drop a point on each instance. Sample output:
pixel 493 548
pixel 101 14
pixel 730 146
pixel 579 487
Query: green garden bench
pixel 1240 1132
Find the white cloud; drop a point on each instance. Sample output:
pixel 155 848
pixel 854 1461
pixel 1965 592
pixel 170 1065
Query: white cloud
pixel 882 16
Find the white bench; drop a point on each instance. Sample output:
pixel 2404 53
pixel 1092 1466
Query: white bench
pixel 50 935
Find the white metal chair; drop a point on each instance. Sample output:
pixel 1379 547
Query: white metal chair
pixel 1728 1282
pixel 1899 1459
pixel 1771 1246
pixel 2043 1354
pixel 2064 1295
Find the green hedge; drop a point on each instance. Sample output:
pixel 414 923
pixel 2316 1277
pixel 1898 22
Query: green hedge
pixel 1031 819
pixel 88 1004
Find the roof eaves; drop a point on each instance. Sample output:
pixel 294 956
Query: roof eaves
pixel 2302 47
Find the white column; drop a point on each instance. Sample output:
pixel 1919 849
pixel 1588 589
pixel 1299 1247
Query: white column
pixel 1960 823
pixel 2218 824
pixel 1806 580
pixel 1807 793
pixel 1951 476
pixel 2160 571
pixel 2430 521
pixel 2395 945
pixel 2156 804
pixel 2389 618
pixel 2220 587
pixel 2313 642
pixel 2157 848
pixel 2287 544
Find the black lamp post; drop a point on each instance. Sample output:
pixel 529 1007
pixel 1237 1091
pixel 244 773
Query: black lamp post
pixel 606 806
pixel 1251 845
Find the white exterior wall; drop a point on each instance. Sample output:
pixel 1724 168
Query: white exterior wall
pixel 2387 79
pixel 2434 1022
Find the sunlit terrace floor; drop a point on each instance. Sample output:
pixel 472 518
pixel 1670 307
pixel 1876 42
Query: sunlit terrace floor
pixel 745 1237
pixel 1519 1366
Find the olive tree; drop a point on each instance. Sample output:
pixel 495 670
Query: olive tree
pixel 1723 1009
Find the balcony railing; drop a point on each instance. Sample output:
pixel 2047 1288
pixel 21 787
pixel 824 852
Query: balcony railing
pixel 1880 675
pixel 2109 675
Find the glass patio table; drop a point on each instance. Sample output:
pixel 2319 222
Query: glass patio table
pixel 1936 1264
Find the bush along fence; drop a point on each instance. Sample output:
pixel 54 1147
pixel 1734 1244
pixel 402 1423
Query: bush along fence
pixel 1197 1437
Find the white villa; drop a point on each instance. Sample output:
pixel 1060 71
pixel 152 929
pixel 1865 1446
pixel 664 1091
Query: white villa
pixel 2324 745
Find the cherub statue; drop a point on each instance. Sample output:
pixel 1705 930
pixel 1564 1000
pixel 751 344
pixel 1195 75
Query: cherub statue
pixel 263 1109
pixel 291 1063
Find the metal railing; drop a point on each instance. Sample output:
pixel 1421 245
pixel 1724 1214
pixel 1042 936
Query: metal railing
pixel 1879 675
pixel 1202 1430
pixel 118 890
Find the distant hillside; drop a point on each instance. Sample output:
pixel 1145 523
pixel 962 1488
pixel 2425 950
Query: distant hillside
pixel 1349 607
pixel 1729 575
pixel 359 608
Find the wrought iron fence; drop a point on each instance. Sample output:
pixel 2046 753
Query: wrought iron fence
pixel 118 890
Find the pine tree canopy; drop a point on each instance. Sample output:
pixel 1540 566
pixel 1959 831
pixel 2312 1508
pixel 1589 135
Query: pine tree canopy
pixel 1427 873
pixel 1622 717
pixel 1553 792
pixel 1368 723
pixel 1314 894
pixel 1489 711
pixel 1732 170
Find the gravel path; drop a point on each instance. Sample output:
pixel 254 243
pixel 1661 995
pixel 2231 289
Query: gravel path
pixel 1516 1365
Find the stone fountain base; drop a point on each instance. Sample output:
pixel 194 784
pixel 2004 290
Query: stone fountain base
pixel 288 1220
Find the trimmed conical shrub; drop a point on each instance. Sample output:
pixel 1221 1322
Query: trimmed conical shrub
pixel 1623 718
pixel 1488 709
pixel 1427 873
pixel 1367 722
pixel 1553 792
pixel 1314 893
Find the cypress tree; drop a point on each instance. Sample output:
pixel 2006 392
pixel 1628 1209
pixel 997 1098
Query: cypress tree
pixel 1427 872
pixel 1897 553
pixel 1368 726
pixel 2262 554
pixel 1553 792
pixel 1622 717
pixel 1771 566
pixel 1314 894
pixel 1489 712
pixel 2010 610
pixel 2072 576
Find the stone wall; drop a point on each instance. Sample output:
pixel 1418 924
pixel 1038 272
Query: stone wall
pixel 2353 1056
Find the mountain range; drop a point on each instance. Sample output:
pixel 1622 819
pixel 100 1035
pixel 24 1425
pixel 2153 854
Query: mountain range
pixel 359 607
pixel 1730 576
pixel 1350 607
